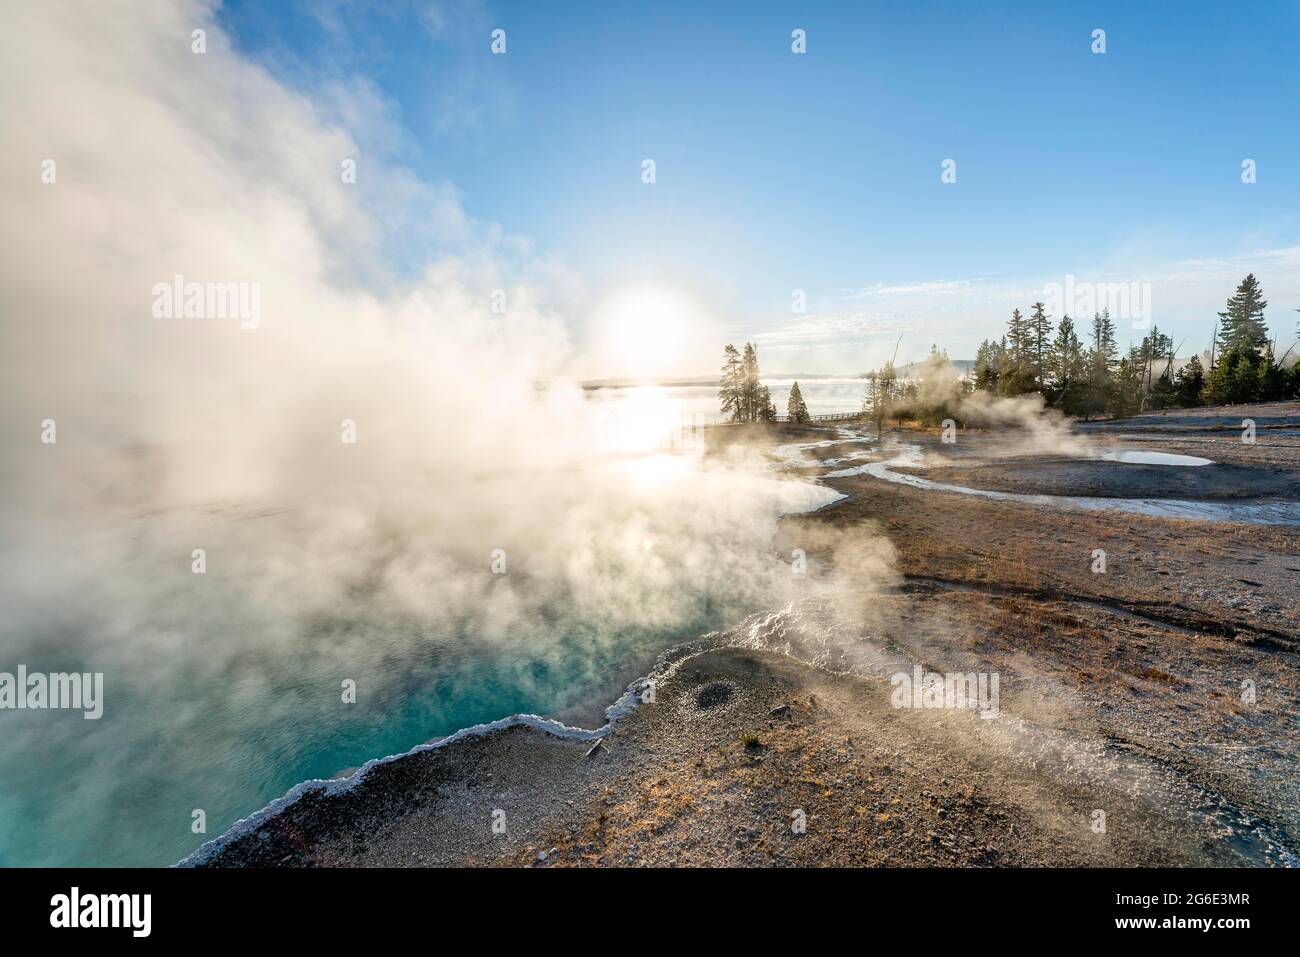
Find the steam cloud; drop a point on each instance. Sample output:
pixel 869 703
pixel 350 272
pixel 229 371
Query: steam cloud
pixel 1046 430
pixel 325 560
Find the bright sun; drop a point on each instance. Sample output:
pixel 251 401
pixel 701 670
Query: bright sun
pixel 643 330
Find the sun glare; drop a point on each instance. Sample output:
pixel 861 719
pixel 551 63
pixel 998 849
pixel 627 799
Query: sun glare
pixel 643 330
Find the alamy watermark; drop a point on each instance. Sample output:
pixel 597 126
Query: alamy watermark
pixel 930 689
pixel 179 299
pixel 1129 301
pixel 57 690
pixel 130 911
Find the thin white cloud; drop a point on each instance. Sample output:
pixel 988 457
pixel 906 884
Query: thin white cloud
pixel 910 289
pixel 957 313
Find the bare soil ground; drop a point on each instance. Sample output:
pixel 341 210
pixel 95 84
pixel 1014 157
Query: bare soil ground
pixel 1161 693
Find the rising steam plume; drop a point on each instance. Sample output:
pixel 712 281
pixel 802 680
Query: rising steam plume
pixel 324 560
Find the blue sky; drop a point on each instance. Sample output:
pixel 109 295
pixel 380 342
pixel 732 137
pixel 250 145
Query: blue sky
pixel 821 171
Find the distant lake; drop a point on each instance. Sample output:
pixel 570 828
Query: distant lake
pixel 677 405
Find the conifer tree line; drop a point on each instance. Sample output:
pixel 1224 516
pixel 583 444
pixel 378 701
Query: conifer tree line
pixel 886 396
pixel 1078 368
pixel 741 394
pixel 1082 372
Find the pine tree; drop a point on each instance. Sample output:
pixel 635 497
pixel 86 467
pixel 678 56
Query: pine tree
pixel 742 393
pixel 729 393
pixel 1126 390
pixel 1242 325
pixel 1002 363
pixel 1235 377
pixel 1164 395
pixel 795 408
pixel 1102 364
pixel 1018 351
pixel 888 384
pixel 749 384
pixel 871 404
pixel 878 396
pixel 986 366
pixel 1066 367
pixel 1040 331
pixel 1189 382
pixel 1155 347
pixel 1274 381
pixel 1103 341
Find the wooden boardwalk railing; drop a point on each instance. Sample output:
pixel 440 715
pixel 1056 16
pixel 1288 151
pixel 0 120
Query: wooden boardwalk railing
pixel 827 417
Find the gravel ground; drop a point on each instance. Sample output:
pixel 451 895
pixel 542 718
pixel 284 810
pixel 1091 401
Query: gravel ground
pixel 778 743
